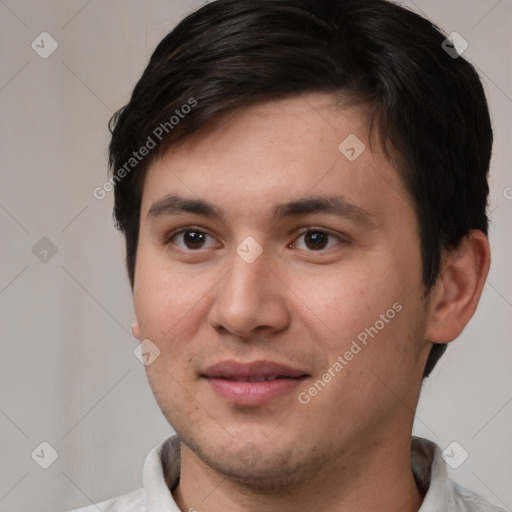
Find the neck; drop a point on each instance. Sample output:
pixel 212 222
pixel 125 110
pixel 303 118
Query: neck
pixel 378 478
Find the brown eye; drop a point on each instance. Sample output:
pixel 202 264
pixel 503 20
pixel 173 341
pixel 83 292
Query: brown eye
pixel 190 239
pixel 194 239
pixel 316 240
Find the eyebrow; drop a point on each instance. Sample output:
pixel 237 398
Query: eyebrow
pixel 330 204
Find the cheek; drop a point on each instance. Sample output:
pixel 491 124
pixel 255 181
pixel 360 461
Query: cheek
pixel 175 395
pixel 370 306
pixel 165 299
pixel 343 302
pixel 375 366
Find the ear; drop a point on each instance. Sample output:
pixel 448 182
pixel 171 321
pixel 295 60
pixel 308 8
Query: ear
pixel 458 289
pixel 136 329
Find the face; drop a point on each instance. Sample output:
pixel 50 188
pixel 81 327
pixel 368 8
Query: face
pixel 279 275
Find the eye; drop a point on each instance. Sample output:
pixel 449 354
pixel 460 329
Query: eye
pixel 191 239
pixel 316 240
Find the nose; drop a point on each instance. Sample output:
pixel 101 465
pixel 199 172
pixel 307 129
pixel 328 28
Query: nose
pixel 249 299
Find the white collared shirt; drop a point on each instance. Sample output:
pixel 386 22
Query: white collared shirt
pixel 162 472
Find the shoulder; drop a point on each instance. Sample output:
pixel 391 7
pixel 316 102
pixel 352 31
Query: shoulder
pixel 161 472
pixel 134 501
pixel 441 493
pixel 464 500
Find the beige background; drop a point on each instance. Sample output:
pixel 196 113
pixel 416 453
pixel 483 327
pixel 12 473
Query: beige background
pixel 68 375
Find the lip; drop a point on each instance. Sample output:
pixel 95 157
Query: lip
pixel 252 383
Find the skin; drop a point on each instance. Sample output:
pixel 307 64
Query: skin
pixel 349 447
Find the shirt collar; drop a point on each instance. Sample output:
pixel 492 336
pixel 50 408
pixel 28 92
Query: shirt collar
pixel 162 472
pixel 430 473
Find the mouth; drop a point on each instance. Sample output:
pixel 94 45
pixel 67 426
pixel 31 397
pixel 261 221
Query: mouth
pixel 252 384
pixel 264 378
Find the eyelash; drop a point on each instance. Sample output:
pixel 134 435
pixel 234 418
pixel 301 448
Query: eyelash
pixel 169 239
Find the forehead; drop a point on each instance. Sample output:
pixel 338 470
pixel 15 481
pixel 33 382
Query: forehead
pixel 276 151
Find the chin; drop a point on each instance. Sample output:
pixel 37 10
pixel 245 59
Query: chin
pixel 265 468
pixel 269 474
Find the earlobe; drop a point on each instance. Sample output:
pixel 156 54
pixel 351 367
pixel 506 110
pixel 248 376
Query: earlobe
pixel 136 329
pixel 455 297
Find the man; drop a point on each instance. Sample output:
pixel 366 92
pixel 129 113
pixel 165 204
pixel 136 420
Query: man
pixel 302 185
